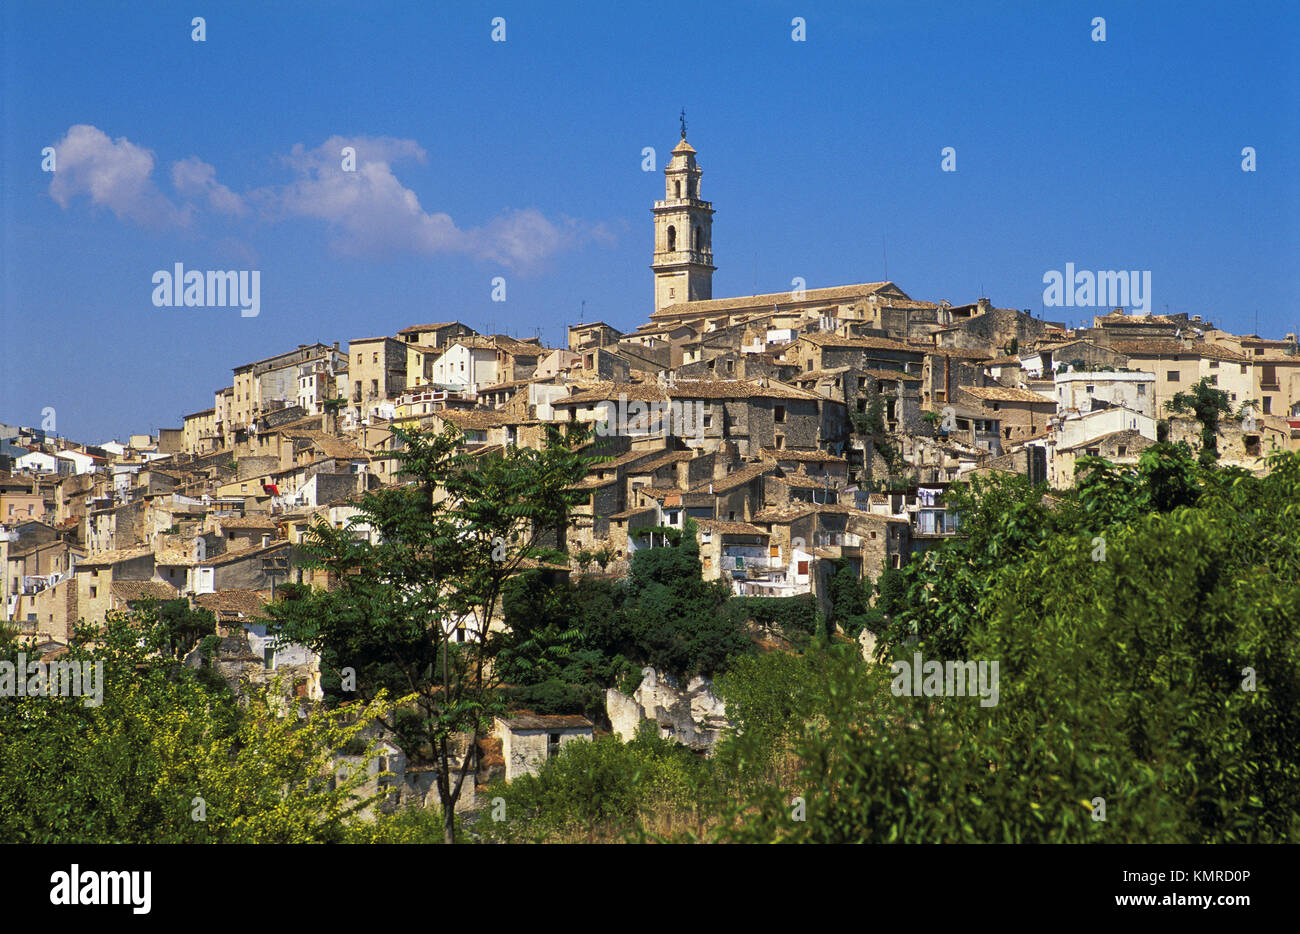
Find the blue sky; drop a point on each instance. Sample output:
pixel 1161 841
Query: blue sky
pixel 522 159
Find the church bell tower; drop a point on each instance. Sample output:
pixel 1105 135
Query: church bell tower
pixel 683 257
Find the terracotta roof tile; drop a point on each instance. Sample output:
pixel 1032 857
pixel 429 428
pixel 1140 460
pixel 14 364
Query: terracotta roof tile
pixel 729 528
pixel 1005 394
pixel 130 591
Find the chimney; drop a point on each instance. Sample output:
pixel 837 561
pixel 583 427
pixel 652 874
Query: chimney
pixel 983 305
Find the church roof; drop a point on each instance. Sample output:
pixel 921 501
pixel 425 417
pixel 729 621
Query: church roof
pixel 765 302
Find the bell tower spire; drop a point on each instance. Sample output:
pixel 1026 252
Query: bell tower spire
pixel 683 254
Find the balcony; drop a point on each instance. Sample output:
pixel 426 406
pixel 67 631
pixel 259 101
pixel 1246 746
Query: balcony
pixel 750 563
pixel 682 257
pixel 680 202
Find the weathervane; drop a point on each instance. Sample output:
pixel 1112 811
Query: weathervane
pixel 683 123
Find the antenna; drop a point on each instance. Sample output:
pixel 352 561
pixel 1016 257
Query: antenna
pixel 885 256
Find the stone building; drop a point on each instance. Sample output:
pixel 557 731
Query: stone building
pixel 377 372
pixel 529 739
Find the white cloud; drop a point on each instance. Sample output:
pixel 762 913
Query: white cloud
pixel 374 213
pixel 369 211
pixel 114 174
pixel 194 178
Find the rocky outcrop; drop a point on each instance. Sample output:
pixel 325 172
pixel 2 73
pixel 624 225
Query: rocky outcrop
pixel 867 639
pixel 693 716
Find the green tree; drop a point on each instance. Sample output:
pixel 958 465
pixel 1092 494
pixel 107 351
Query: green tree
pixel 409 612
pixel 677 617
pixel 1160 678
pixel 1205 403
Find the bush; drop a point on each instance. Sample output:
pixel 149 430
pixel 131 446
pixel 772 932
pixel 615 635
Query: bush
pixel 795 618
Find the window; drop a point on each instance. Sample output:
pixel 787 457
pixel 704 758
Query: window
pixel 94 591
pixel 780 439
pixel 780 413
pixel 1142 389
pixel 1268 405
pixel 677 188
pixel 1171 376
pixel 1090 389
pixel 1121 450
pixel 375 358
pixel 802 567
pixel 1214 364
pixel 1252 445
pixel 552 745
pixel 672 238
pixel 268 658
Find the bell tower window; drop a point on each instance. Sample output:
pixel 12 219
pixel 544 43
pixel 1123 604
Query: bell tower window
pixel 678 186
pixel 699 239
pixel 672 238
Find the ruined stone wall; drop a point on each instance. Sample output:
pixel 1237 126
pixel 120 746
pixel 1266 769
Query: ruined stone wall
pixel 693 716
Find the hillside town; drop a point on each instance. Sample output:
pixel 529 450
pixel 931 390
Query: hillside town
pixel 800 430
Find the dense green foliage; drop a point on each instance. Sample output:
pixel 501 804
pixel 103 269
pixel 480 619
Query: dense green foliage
pixel 565 643
pixel 794 618
pixel 624 786
pixel 568 642
pixel 1145 624
pixel 170 756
